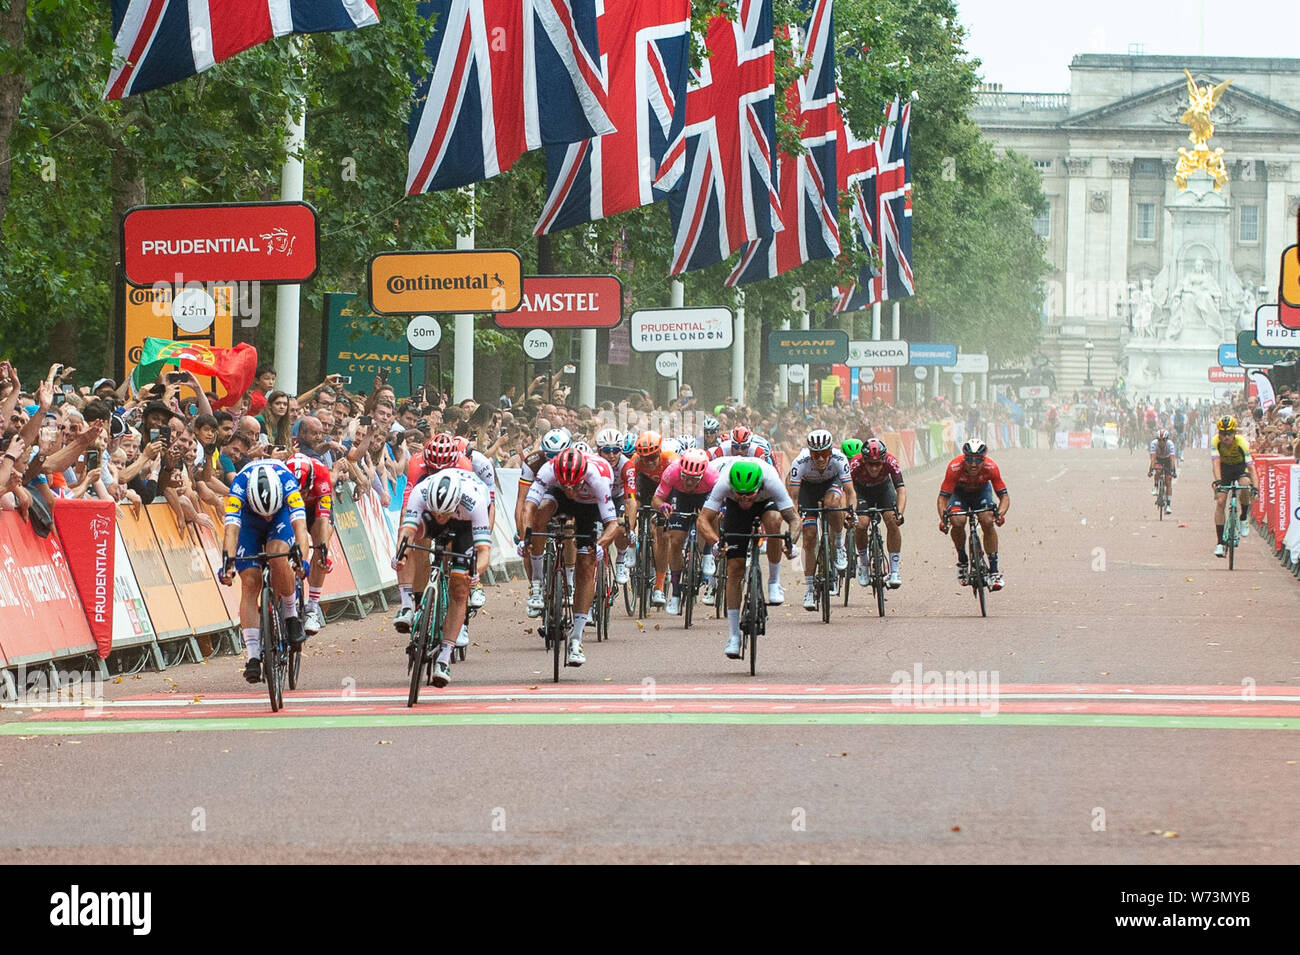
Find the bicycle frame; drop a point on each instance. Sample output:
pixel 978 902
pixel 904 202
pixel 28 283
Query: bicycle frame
pixel 276 649
pixel 978 573
pixel 876 552
pixel 753 604
pixel 432 615
pixel 557 612
pixel 1232 518
pixel 824 569
pixel 690 574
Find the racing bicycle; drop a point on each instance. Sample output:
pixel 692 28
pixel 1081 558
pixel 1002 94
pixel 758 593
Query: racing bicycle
pixel 977 573
pixel 1233 518
pixel 557 605
pixel 281 660
pixel 431 615
pixel 753 601
pixel 877 562
pixel 824 575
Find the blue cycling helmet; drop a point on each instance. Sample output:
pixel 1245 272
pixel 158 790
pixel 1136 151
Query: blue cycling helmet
pixel 629 443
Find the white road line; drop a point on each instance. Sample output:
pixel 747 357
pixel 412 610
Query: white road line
pixel 503 700
pixel 1061 473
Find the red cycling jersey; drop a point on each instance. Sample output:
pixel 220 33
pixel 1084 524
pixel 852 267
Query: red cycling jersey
pixel 654 470
pixel 416 471
pixel 318 489
pixel 869 474
pixel 956 477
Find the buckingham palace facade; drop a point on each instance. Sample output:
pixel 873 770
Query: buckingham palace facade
pixel 1106 151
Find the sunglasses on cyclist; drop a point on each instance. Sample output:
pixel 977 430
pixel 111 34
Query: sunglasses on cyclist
pixel 611 449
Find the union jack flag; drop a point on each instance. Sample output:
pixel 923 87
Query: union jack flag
pixel 644 50
pixel 809 214
pixel 720 168
pixel 894 202
pixel 856 162
pixel 156 42
pixel 508 76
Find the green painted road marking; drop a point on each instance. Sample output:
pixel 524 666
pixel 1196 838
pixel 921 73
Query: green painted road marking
pixel 266 723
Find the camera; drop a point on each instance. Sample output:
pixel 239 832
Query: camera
pixel 176 377
pixel 165 435
pixel 92 460
pixel 344 379
pixel 365 421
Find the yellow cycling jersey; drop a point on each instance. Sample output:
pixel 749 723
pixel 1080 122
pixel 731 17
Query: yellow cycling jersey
pixel 1236 453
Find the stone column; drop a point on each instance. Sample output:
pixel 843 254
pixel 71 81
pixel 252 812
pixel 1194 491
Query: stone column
pixel 1076 233
pixel 1278 219
pixel 1117 272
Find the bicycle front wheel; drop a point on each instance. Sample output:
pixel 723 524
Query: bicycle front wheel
pixel 690 584
pixel 878 574
pixel 421 659
pixel 555 599
pixel 295 666
pixel 850 572
pixel 826 575
pixel 756 605
pixel 270 649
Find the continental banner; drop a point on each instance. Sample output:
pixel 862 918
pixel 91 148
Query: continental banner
pixel 356 546
pixel 88 538
pixel 41 617
pixel 151 574
pixel 131 623
pixel 190 571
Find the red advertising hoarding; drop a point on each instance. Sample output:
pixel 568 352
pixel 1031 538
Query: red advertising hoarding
pixel 1231 376
pixel 272 242
pixel 567 301
pixel 87 531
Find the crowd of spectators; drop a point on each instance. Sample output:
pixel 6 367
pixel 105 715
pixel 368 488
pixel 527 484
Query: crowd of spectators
pixel 168 443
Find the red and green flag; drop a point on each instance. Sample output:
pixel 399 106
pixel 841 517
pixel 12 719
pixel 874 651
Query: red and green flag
pixel 232 367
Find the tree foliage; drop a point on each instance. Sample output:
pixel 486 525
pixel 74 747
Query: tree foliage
pixel 78 163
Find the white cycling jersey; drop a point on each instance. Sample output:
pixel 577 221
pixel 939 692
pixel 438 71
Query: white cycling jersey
pixel 803 469
pixel 594 489
pixel 484 471
pixel 473 505
pixel 772 489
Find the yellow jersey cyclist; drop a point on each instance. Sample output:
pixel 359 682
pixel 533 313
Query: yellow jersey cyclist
pixel 264 513
pixel 1230 458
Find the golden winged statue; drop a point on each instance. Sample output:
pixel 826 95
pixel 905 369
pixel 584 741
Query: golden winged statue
pixel 1201 103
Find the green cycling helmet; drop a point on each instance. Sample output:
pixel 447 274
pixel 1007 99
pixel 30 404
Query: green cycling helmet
pixel 746 477
pixel 851 448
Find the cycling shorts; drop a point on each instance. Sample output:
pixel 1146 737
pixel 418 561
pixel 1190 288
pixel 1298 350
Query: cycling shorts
pixel 1231 472
pixel 739 520
pixel 972 498
pixel 883 495
pixel 454 535
pixel 686 504
pixel 586 518
pixel 254 532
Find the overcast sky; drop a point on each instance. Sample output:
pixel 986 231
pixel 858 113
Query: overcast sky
pixel 1027 46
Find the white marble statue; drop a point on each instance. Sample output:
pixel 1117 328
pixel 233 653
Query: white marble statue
pixel 1195 309
pixel 1144 316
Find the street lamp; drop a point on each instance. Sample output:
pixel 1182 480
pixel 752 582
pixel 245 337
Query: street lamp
pixel 1087 350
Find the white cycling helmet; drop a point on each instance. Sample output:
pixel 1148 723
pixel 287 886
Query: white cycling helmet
pixel 555 441
pixel 974 448
pixel 711 424
pixel 581 446
pixel 820 440
pixel 610 438
pixel 672 446
pixel 264 493
pixel 448 489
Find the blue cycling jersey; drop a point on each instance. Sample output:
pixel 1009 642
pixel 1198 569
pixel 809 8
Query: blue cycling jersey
pixel 292 505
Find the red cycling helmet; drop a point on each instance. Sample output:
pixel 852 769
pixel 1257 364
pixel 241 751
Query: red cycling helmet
pixel 874 450
pixel 741 436
pixel 440 452
pixel 570 467
pixel 695 462
pixel 300 466
pixel 462 444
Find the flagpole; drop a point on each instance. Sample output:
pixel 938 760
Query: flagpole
pixel 678 292
pixel 782 379
pixel 463 383
pixel 738 351
pixel 875 321
pixel 287 336
pixel 896 322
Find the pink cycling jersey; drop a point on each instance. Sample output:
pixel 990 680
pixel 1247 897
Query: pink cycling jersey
pixel 672 481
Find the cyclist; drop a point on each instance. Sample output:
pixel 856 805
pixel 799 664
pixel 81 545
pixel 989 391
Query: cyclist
pixel 440 452
pixel 683 489
pixel 878 482
pixel 1164 455
pixel 712 428
pixel 819 477
pixel 578 486
pixel 553 442
pixel 743 443
pixel 970 481
pixel 609 445
pixel 651 461
pixel 753 493
pixel 1180 428
pixel 264 514
pixel 486 472
pixel 451 502
pixel 1230 459
pixel 317 489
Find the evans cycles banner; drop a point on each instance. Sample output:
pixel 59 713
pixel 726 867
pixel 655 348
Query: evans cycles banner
pixel 272 242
